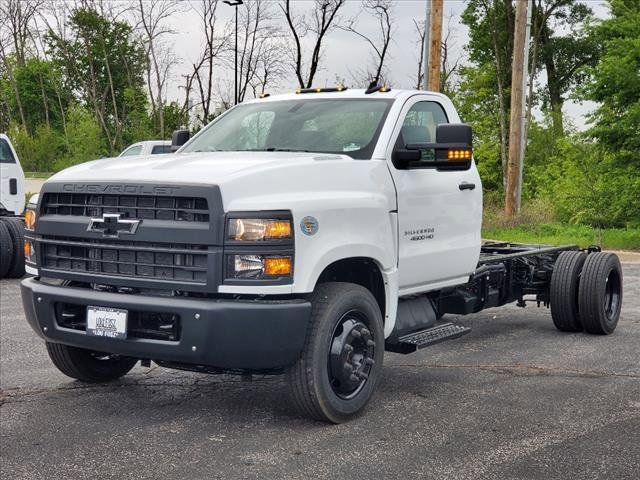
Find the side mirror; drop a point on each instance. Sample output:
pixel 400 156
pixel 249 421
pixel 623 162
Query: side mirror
pixel 179 138
pixel 403 158
pixel 457 134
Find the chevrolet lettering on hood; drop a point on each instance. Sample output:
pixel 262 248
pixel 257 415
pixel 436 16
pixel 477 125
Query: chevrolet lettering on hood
pixel 121 189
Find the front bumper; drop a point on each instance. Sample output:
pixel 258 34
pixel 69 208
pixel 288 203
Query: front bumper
pixel 220 333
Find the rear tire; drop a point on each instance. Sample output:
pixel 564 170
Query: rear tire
pixel 6 250
pixel 15 228
pixel 600 293
pixel 563 294
pixel 87 365
pixel 341 361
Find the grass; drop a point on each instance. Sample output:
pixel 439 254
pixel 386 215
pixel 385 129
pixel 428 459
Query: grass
pixel 560 234
pixel 43 175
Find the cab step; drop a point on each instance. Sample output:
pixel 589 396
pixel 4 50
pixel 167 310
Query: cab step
pixel 427 337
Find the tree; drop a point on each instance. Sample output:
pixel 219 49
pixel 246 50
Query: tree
pixel 260 48
pixel 37 84
pixel 202 76
pixel 563 56
pixel 323 19
pixel 152 17
pixel 16 22
pixel 491 24
pixel 615 84
pixel 101 60
pixel 381 10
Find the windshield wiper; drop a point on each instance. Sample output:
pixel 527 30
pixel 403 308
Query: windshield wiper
pixel 274 149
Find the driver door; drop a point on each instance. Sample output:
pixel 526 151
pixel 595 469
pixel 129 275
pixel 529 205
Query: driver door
pixel 438 222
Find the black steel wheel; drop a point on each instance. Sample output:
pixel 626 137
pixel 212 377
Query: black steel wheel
pixel 15 227
pixel 563 291
pixel 87 365
pixel 6 250
pixel 341 361
pixel 600 293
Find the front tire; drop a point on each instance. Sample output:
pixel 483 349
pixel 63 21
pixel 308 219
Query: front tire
pixel 87 365
pixel 341 361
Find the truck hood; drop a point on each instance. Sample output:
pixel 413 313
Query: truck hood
pixel 208 168
pixel 253 180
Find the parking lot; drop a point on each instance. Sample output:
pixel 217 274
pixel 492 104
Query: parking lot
pixel 513 399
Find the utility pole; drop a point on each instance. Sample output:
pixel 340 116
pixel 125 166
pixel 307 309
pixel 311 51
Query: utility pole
pixel 514 164
pixel 235 4
pixel 435 50
pixel 525 129
pixel 425 48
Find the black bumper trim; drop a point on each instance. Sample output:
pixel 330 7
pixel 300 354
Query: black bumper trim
pixel 228 334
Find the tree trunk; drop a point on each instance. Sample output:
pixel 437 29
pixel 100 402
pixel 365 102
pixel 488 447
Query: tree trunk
pixel 556 101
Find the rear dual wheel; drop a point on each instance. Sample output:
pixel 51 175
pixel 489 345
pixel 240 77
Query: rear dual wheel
pixel 586 292
pixel 341 361
pixel 600 293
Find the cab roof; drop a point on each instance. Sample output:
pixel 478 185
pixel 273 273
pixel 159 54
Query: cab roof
pixel 346 94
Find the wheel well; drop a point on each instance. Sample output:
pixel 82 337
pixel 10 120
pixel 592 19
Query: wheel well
pixel 361 271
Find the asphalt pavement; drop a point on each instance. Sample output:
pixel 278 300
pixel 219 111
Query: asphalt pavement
pixel 513 399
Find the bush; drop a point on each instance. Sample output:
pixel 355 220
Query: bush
pixel 84 139
pixel 36 152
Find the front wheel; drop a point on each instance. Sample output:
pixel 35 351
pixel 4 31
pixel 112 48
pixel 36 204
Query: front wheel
pixel 342 358
pixel 87 365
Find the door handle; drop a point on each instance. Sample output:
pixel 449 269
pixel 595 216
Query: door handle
pixel 467 186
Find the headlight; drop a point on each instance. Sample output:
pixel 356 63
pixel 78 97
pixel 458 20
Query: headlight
pixel 258 267
pixel 259 246
pixel 30 213
pixel 258 229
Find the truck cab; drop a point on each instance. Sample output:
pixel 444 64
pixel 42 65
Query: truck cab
pixel 302 234
pixel 12 179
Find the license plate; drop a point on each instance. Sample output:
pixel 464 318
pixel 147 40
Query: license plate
pixel 107 322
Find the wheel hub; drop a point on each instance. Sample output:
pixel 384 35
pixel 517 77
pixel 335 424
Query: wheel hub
pixel 351 357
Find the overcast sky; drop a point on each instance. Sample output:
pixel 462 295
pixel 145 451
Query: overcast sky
pixel 344 52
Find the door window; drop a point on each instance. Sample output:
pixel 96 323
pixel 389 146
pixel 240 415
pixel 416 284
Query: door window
pixel 6 155
pixel 158 149
pixel 420 126
pixel 134 150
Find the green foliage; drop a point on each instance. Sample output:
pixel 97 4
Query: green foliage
pixel 105 63
pixel 584 185
pixel 43 96
pixel 564 48
pixel 616 83
pixel 563 234
pixel 175 118
pixel 84 139
pixel 477 103
pixel 36 152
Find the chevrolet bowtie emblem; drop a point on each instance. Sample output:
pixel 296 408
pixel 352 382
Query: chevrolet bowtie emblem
pixel 111 225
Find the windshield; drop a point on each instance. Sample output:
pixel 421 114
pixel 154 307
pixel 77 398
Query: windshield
pixel 347 126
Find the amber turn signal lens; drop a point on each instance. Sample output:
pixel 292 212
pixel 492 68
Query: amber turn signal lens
pixel 30 219
pixel 278 229
pixel 277 266
pixel 29 251
pixel 459 154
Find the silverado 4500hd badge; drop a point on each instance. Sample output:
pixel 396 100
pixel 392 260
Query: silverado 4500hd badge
pixel 419 234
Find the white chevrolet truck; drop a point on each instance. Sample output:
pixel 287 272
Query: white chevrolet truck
pixel 302 234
